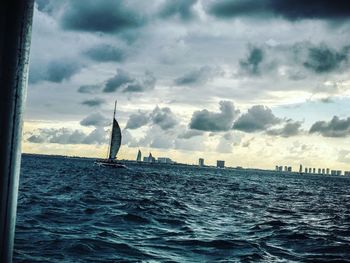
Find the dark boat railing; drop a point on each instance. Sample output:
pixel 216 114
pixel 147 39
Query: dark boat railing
pixel 15 36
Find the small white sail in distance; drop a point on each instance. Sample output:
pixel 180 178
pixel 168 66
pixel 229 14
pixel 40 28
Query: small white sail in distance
pixel 116 137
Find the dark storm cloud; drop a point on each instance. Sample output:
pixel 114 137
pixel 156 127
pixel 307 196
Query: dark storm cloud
pixel 97 136
pixel 89 89
pixel 334 128
pixel 128 139
pixel 198 76
pixel 179 8
pixel 41 4
pixel 137 120
pixel 49 6
pixel 164 118
pixel 61 136
pixel 95 119
pixel 323 59
pixel 327 100
pixel 188 134
pixel 134 87
pixel 119 81
pixel 61 70
pixel 122 81
pixel 93 102
pixel 36 138
pixel 148 82
pixel 257 118
pixel 205 120
pixel 252 62
pixel 301 59
pixel 55 71
pixel 68 136
pixel 288 9
pixel 107 16
pixel 36 74
pixel 247 143
pixel 65 136
pixel 105 53
pixel 289 129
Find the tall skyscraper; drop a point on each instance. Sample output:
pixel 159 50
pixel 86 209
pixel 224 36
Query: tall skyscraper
pixel 220 164
pixel 200 162
pixel 166 160
pixel 139 156
pixel 151 159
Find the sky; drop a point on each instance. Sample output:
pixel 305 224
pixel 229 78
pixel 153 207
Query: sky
pixel 254 83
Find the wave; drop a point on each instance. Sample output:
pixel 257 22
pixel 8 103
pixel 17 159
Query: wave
pixel 72 211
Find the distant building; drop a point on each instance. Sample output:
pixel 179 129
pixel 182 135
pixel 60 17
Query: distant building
pixel 289 169
pixel 346 173
pixel 285 168
pixel 300 169
pixel 139 156
pixel 338 172
pixel 305 170
pixel 149 159
pixel 165 160
pixel 310 170
pixel 220 164
pixel 319 170
pixel 327 171
pixel 280 168
pixel 323 171
pixel 276 169
pixel 333 172
pixel 313 170
pixel 200 162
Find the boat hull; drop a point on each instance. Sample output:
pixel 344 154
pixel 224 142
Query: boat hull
pixel 111 164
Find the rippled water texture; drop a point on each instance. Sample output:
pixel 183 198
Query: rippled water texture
pixel 72 211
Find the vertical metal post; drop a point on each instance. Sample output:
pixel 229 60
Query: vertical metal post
pixel 15 35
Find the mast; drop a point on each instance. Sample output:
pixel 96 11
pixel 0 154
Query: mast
pixel 115 108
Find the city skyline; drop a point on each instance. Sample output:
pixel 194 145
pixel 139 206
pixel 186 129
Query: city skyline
pixel 222 80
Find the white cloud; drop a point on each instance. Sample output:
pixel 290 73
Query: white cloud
pixel 212 59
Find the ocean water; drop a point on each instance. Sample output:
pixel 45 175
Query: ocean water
pixel 72 211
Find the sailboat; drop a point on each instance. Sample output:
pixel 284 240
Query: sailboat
pixel 114 145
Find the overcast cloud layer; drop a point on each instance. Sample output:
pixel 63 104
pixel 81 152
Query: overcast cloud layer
pixel 191 75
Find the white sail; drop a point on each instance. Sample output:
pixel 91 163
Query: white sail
pixel 116 138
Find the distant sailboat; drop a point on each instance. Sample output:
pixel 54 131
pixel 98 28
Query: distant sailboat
pixel 114 145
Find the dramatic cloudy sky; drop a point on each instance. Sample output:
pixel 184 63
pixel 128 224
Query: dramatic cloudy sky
pixel 255 83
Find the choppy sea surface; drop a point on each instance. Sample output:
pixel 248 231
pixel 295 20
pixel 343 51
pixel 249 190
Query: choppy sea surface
pixel 72 211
